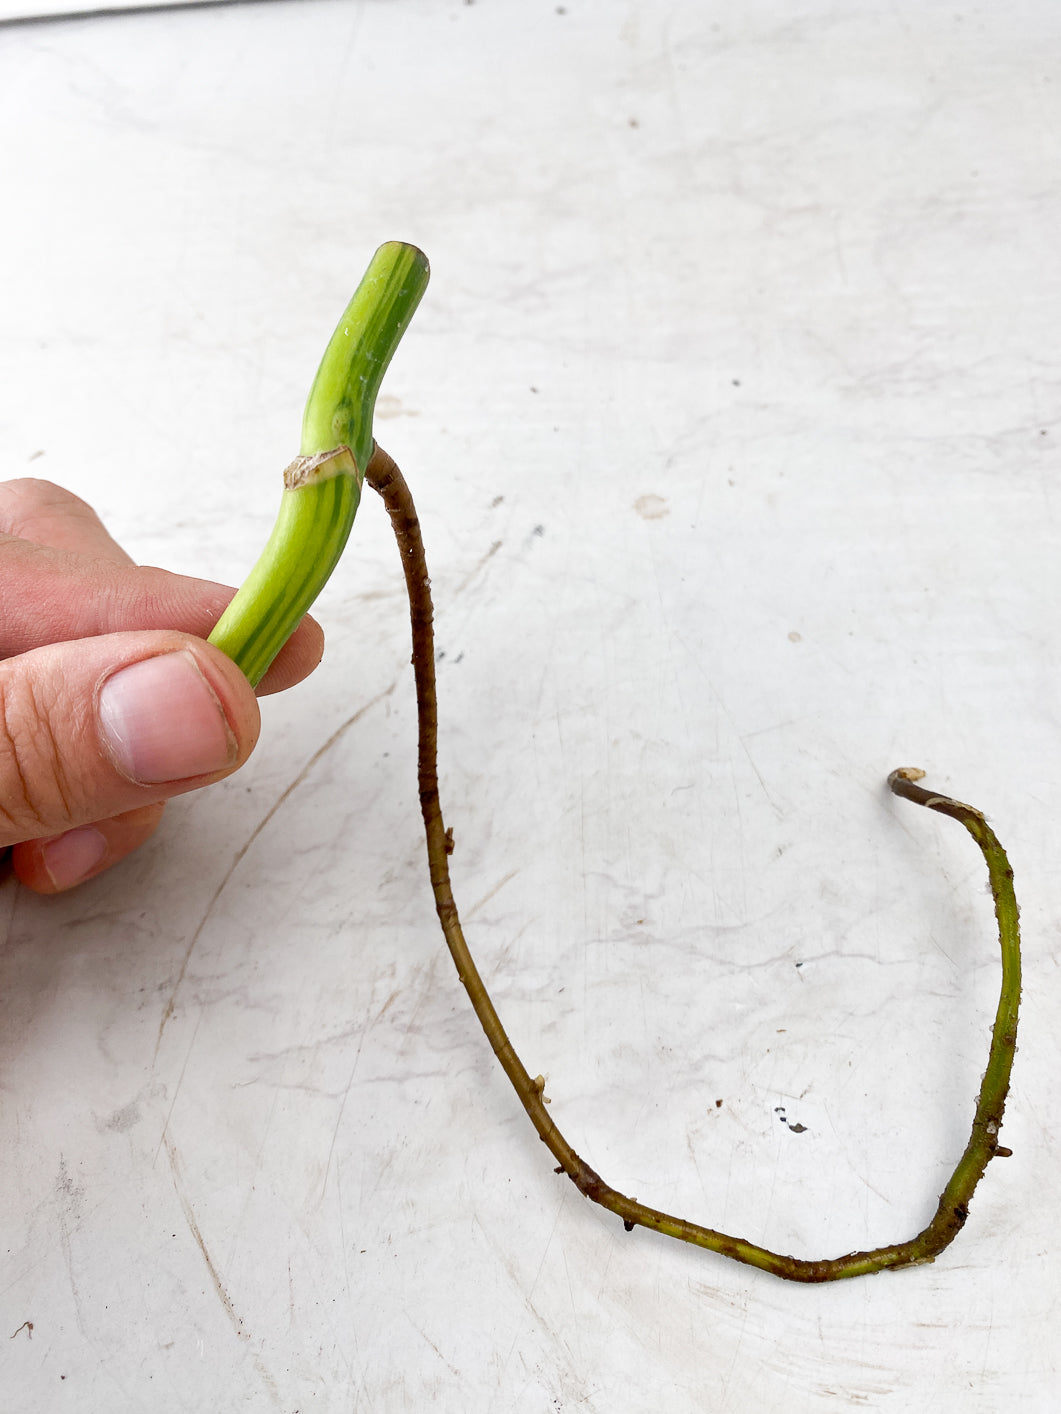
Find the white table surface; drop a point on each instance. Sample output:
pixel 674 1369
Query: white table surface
pixel 732 413
pixel 14 12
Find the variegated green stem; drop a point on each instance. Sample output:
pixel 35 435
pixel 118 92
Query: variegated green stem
pixel 317 509
pixel 341 402
pixel 322 487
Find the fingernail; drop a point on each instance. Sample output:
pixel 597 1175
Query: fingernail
pixel 73 855
pixel 161 721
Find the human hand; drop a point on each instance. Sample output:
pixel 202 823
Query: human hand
pixel 111 701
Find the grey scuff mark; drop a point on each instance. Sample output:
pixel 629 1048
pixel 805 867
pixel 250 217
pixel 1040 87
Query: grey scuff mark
pixel 124 1119
pixel 388 406
pixel 336 1038
pixel 69 1196
pixel 237 858
pixel 71 1192
pixel 370 596
pixel 483 560
pixel 315 1090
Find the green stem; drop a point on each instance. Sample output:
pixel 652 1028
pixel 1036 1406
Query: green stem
pixel 341 402
pixel 322 487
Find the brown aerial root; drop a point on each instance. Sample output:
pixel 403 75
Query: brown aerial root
pixel 953 1208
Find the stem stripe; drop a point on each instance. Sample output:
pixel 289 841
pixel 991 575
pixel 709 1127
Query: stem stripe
pixel 317 511
pixel 287 578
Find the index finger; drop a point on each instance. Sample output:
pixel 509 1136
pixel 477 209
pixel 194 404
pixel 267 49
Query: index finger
pixel 62 576
pixel 50 515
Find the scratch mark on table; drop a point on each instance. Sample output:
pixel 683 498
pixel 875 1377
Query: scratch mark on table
pixel 215 1275
pixel 490 894
pixel 163 1137
pixel 196 1232
pixel 342 1224
pixel 342 1109
pixel 424 1336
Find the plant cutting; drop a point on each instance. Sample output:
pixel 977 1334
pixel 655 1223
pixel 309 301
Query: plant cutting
pixel 322 486
pixel 322 489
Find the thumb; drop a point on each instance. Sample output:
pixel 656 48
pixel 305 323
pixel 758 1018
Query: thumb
pixel 94 728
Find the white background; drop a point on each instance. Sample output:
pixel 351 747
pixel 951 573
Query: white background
pixel 732 416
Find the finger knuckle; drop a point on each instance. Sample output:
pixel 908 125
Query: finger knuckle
pixel 26 499
pixel 36 790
